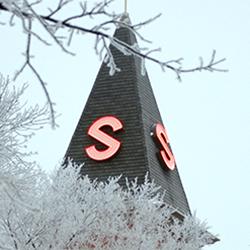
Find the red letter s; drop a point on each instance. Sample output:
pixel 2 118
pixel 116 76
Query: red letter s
pixel 160 135
pixel 96 133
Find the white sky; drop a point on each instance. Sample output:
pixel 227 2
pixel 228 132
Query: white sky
pixel 207 115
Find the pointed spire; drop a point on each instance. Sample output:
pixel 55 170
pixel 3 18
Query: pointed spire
pixel 127 96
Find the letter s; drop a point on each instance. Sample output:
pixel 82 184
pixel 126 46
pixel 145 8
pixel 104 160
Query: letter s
pixel 112 144
pixel 161 138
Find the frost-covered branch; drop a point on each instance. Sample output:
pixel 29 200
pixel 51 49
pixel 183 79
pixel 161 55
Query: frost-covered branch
pixel 52 24
pixel 66 18
pixel 29 64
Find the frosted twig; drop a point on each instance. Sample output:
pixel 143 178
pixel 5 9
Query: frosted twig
pixel 28 63
pixel 57 21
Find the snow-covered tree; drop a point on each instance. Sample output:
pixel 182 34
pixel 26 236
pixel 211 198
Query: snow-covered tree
pixel 17 124
pixel 73 212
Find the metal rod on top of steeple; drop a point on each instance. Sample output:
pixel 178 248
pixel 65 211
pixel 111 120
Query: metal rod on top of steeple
pixel 125 6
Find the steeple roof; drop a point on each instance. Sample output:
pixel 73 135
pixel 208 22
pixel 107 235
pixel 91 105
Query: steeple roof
pixel 127 95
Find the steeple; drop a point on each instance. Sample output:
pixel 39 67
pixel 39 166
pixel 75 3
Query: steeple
pixel 124 108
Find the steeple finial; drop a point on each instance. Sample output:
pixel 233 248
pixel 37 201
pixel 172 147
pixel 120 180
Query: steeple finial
pixel 125 6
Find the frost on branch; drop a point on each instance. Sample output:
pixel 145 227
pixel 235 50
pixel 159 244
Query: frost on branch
pixel 74 212
pixel 96 18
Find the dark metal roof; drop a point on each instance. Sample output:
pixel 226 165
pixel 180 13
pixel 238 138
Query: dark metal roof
pixel 127 95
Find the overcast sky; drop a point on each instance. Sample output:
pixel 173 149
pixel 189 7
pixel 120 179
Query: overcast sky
pixel 207 115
